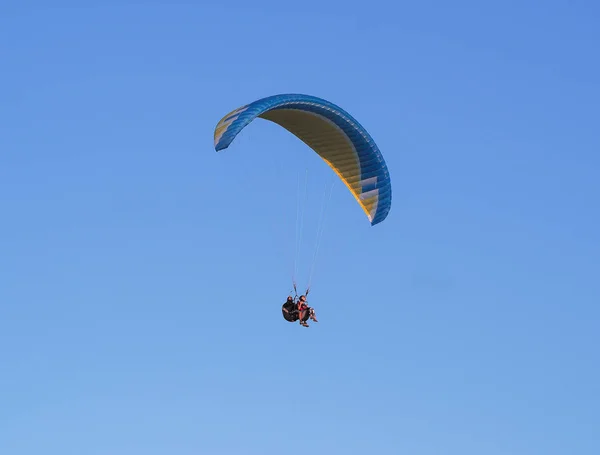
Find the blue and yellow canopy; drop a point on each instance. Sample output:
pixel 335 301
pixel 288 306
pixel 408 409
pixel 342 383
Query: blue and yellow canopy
pixel 333 134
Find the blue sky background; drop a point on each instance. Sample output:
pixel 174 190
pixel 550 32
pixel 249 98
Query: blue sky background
pixel 142 273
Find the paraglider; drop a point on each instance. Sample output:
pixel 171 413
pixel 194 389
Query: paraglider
pixel 337 137
pixel 298 310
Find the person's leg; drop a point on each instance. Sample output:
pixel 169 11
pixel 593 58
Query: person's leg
pixel 302 315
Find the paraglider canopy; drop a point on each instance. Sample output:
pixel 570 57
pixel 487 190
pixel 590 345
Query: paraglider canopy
pixel 333 134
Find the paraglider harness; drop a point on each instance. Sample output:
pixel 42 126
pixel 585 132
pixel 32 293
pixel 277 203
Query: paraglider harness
pixel 290 308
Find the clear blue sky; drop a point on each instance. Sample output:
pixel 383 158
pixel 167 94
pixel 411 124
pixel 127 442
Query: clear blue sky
pixel 142 273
